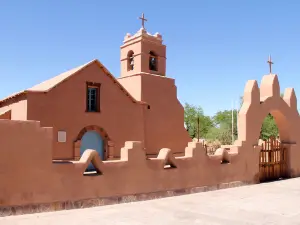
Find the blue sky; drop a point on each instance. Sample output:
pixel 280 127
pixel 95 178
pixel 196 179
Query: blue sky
pixel 213 46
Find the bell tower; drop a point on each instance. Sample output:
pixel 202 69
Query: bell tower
pixel 143 75
pixel 143 53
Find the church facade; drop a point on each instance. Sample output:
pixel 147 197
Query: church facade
pixel 89 108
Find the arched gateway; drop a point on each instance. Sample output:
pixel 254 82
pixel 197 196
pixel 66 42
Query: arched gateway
pixel 257 104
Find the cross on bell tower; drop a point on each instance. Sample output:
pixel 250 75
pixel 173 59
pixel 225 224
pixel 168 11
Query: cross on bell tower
pixel 143 20
pixel 143 52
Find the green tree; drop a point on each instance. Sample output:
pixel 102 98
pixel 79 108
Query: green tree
pixel 268 128
pixel 221 133
pixel 223 119
pixel 191 115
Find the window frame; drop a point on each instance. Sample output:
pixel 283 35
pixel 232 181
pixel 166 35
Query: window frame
pixel 97 86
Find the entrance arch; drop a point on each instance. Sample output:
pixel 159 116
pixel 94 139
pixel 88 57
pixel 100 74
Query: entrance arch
pixel 257 104
pixel 92 137
pixel 92 140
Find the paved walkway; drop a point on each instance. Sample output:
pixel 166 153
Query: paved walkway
pixel 268 203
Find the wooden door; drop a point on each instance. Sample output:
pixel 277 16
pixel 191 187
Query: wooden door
pixel 272 163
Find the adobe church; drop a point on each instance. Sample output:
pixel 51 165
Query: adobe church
pixel 89 108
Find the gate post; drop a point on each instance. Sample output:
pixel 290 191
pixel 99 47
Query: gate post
pixel 292 159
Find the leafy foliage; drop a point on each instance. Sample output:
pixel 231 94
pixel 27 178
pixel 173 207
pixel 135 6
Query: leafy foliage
pixel 223 120
pixel 218 128
pixel 222 134
pixel 269 128
pixel 191 115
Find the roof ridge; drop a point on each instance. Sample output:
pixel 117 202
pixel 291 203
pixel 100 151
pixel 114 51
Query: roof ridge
pixel 49 84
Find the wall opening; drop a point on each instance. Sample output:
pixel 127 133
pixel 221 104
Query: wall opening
pixel 95 138
pixel 92 140
pixel 273 154
pixel 130 61
pixel 152 61
pixel 269 128
pixel 91 173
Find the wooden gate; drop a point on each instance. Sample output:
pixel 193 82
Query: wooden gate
pixel 272 164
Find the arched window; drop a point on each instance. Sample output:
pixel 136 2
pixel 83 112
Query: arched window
pixel 152 61
pixel 130 60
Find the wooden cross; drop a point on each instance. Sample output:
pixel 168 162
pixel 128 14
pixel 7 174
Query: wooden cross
pixel 270 63
pixel 143 20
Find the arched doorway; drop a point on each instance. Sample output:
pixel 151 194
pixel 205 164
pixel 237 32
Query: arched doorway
pixel 273 154
pixel 258 102
pixel 93 137
pixel 92 140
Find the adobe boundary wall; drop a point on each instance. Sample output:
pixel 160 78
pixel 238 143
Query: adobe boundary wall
pixel 31 182
pixel 87 203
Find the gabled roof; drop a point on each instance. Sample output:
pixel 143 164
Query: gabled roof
pixel 55 81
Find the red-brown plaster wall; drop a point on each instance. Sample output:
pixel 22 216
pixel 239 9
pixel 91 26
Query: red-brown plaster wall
pixel 63 108
pixel 24 162
pixel 164 121
pixel 133 86
pixel 28 175
pixel 17 108
pixel 6 115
